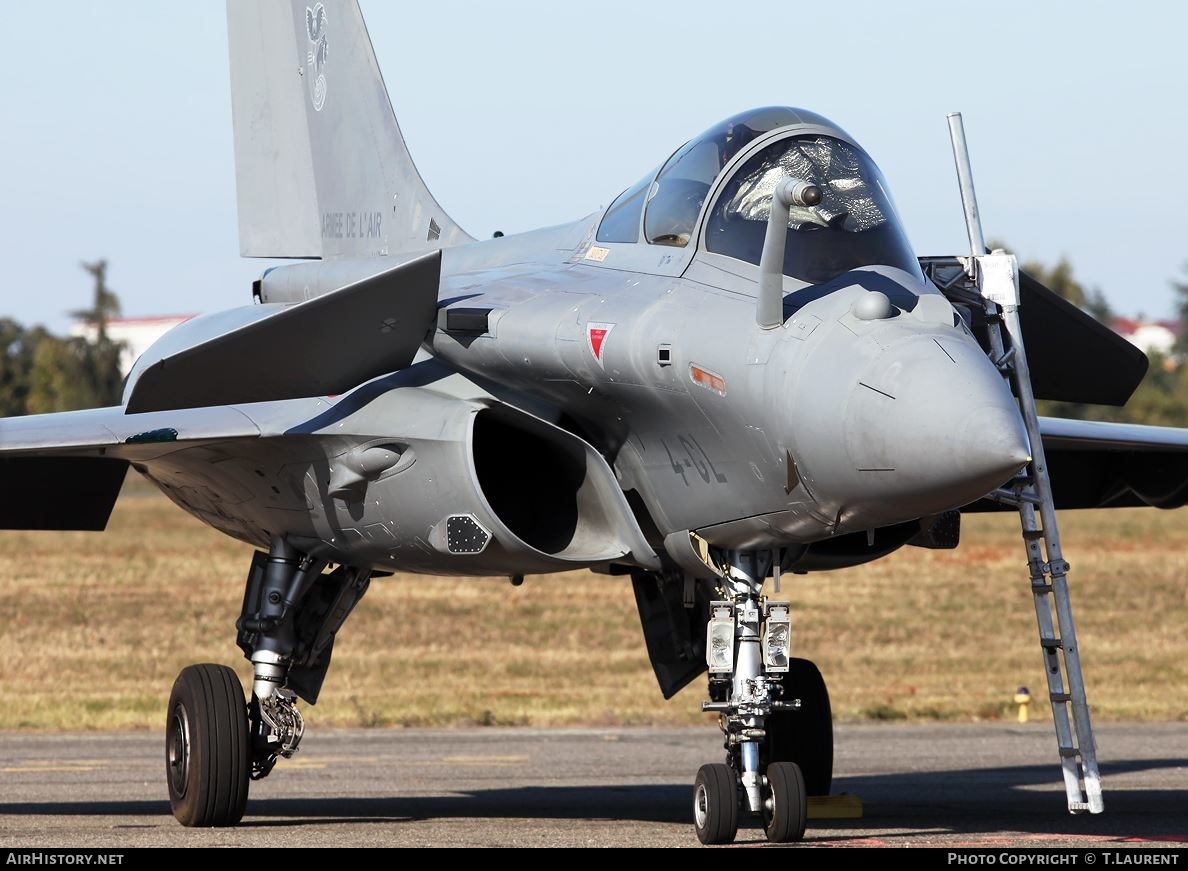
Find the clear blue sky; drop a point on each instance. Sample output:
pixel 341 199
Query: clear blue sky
pixel 115 131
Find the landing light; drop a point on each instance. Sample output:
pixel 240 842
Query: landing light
pixel 719 641
pixel 777 637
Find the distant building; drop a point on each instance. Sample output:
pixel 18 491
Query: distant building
pixel 136 334
pixel 1150 336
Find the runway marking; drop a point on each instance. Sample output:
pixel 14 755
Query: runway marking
pixel 484 760
pixel 309 763
pixel 50 761
pixel 322 761
pixel 49 766
pixel 317 763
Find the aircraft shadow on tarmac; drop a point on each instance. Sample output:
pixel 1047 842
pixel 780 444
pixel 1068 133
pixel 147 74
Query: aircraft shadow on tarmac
pixel 975 800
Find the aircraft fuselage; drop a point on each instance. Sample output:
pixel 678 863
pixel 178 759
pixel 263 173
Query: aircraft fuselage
pixel 843 420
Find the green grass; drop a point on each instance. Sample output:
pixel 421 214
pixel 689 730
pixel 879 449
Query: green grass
pixel 96 626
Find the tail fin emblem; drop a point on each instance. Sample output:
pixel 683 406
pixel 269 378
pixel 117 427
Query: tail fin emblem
pixel 315 29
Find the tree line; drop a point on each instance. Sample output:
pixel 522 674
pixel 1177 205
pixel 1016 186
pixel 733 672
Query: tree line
pixel 41 372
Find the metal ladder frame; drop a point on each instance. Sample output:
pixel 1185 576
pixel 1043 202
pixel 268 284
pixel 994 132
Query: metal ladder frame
pixel 991 281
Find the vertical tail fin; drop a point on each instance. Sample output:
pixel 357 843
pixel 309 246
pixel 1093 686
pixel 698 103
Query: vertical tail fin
pixel 321 168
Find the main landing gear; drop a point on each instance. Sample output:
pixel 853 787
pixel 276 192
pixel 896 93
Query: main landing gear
pixel 214 742
pixel 773 710
pixel 207 748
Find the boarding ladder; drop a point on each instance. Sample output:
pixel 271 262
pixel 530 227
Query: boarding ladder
pixel 991 282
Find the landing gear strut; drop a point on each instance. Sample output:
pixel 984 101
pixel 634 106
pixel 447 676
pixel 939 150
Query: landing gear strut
pixel 215 743
pixel 773 711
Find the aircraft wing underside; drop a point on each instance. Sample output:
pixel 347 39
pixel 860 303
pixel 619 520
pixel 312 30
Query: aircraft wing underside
pixel 1095 464
pixel 64 471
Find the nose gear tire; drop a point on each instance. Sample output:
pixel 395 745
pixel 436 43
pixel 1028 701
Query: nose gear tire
pixel 715 804
pixel 785 810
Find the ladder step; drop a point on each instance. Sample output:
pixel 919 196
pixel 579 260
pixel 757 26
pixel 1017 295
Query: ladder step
pixel 1051 643
pixel 1059 697
pixel 1069 752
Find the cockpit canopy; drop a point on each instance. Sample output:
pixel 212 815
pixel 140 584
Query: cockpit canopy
pixel 854 225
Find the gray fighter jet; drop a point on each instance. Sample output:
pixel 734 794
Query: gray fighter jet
pixel 739 369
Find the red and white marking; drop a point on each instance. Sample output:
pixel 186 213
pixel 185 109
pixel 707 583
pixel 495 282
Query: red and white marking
pixel 596 336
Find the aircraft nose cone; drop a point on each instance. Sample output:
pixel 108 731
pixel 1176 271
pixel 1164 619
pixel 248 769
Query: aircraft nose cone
pixel 932 425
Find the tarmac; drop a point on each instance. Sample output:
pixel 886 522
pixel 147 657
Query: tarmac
pixel 986 786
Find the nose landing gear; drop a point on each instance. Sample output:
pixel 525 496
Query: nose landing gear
pixel 773 711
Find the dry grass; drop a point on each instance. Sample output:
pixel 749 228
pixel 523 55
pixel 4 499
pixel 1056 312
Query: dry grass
pixel 96 626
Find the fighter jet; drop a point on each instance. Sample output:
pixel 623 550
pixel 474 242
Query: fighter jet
pixel 738 370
